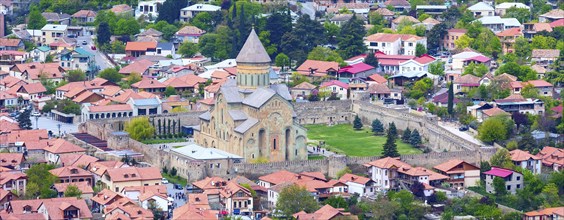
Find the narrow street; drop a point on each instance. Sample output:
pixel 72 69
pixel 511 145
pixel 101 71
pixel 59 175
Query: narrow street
pixel 101 60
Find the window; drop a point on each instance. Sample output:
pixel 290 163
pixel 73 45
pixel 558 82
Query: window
pixel 518 177
pixel 211 166
pixel 410 44
pixel 508 187
pixel 518 186
pixel 117 189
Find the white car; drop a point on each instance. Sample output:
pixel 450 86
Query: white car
pixel 35 114
pixel 164 181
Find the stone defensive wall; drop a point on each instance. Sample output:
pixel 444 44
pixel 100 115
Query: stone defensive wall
pixel 327 112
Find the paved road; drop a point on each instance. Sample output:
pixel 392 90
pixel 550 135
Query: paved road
pixel 52 125
pixel 453 128
pixel 101 60
pixel 172 192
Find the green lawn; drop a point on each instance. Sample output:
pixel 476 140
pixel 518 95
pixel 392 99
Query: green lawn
pixel 175 179
pixel 345 140
pixel 315 157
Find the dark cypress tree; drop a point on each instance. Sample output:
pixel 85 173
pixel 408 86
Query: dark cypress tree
pixel 415 139
pixel 371 60
pixel 527 142
pixel 450 106
pixel 406 135
pixel 357 123
pixel 377 127
pixel 393 131
pixel 351 38
pixel 390 147
pixel 24 120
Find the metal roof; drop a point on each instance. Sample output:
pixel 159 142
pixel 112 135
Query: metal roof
pixel 152 101
pixel 238 115
pixel 282 90
pixel 202 153
pixel 231 94
pixel 206 116
pixel 253 51
pixel 259 97
pixel 246 125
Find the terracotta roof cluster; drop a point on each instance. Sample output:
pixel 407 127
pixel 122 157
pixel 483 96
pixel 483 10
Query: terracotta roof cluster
pixel 55 208
pixel 69 171
pixel 545 53
pixel 467 80
pixel 148 83
pixel 349 177
pixel 8 42
pixel 519 155
pixel 451 166
pixel 139 66
pixel 185 81
pixel 61 146
pixel 383 37
pixel 78 160
pixel 192 212
pixel 326 212
pixel 551 156
pixel 402 167
pixel 125 174
pixel 319 68
pixel 11 159
pixel 84 187
pixel 147 192
pixel 35 70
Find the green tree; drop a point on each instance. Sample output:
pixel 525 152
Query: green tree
pixel 155 209
pixel 437 68
pixel 463 42
pixel 522 48
pixel 521 14
pixel 270 48
pixel 501 158
pixel 164 27
pixel 130 80
pixel 377 127
pixel 36 21
pixel 492 130
pixel 543 42
pixel 117 47
pixel 293 199
pixel 390 147
pixel 111 74
pixel 450 104
pixel 188 49
pixel 170 10
pixel 337 202
pixel 169 91
pixel 357 123
pixel 529 91
pixel 73 191
pixel 40 180
pixel 140 128
pixel 420 50
pixel 351 41
pixel 499 186
pixel 331 31
pixel 103 33
pixel 126 26
pixel 76 75
pixel 421 88
pixel 203 21
pixel 415 138
pixel 282 61
pixel 392 130
pixel 343 172
pixel 406 135
pixel 371 59
pixel 435 35
pixel 324 54
pixel 523 73
pixel 527 142
pixel 278 24
pixel 24 120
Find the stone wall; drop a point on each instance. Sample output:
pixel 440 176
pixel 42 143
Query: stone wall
pixel 335 112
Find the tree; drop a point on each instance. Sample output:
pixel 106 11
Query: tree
pixel 418 189
pixel 492 130
pixel 463 42
pixel 130 80
pixel 40 180
pixel 521 14
pixel 421 88
pixel 522 48
pixel 527 142
pixel 337 202
pixel 155 209
pixel 390 147
pixel 188 49
pixel 406 135
pixel 173 171
pixel 415 138
pixel 35 21
pixel 293 199
pixel 420 50
pixel 501 158
pixel 377 127
pixel 73 191
pixel 111 74
pixel 435 35
pixel 331 31
pixel 499 186
pixel 523 73
pixel 282 60
pixel 343 172
pixel 103 33
pixel 437 68
pixel 529 91
pixel 450 104
pixel 324 54
pixel 76 75
pixel 371 59
pixel 357 123
pixel 169 91
pixel 278 24
pixel 140 128
pixel 170 10
pixel 203 21
pixel 351 37
pixel 24 120
pixel 543 42
pixel 392 130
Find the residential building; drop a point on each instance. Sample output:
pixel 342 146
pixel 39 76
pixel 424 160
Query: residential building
pixel 52 33
pixel 418 64
pixel 189 12
pixel 382 92
pixel 508 37
pixel 359 70
pixel 86 189
pixel 188 82
pixel 216 161
pixel 318 69
pixel 481 9
pixel 78 59
pixel 5 198
pixel 501 8
pixel 144 194
pixel 459 59
pixel 552 16
pixel 531 29
pixel 386 13
pixel 189 34
pixel 98 168
pixel 498 24
pixel 429 23
pixel 302 90
pixel 122 9
pixel 513 179
pixel 11 44
pixel 544 88
pixel 451 36
pixel 516 103
pixel 545 214
pixel 441 99
pixel 149 9
pixel 552 157
pixel 340 19
pixel 399 5
pixel 116 179
pixel 57 18
pixel 148 85
pixel 72 174
pixel 139 66
pixel 394 44
pixel 55 208
pixel 461 173
pixel 13 181
pixel 545 57
pixel 359 184
pixel 493 112
pixel 463 84
pixel 335 87
pixel 137 49
pixel 193 212
pixel 326 212
pixel 12 160
pixel 432 9
pixel 405 19
pixel 390 64
pixel 405 78
pixel 384 172
pixel 274 192
pixel 149 35
pixel 278 177
pixel 58 147
pixel 77 160
pixel 84 16
pixel 526 161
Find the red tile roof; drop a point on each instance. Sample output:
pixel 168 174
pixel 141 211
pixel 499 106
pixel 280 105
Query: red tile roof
pixel 110 108
pixel 449 165
pixel 334 83
pixel 457 30
pixel 61 146
pixel 495 111
pixel 190 31
pixel 348 177
pixel 383 37
pixel 79 160
pixel 34 88
pixel 511 32
pixel 147 83
pixel 424 59
pixel 356 68
pixel 322 67
pixel 519 155
pixel 387 163
pixel 7 42
pixel 84 187
pixel 481 59
pixel 551 156
pixel 139 66
pixel 377 78
pixel 539 83
pixel 282 176
pixel 557 23
pixel 140 46
pixel 126 174
pixel 11 159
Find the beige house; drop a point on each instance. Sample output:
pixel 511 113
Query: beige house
pixel 461 173
pixel 116 179
pixel 52 33
pixel 513 179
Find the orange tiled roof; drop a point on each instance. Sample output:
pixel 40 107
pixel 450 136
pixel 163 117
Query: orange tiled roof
pixel 494 112
pixel 69 171
pixel 319 66
pixel 519 155
pixel 11 159
pixel 140 46
pixel 449 165
pixel 79 160
pixel 147 83
pixel 383 37
pixel 61 146
pixel 84 187
pixel 511 32
pixel 126 174
pixel 354 178
pixel 282 176
pixel 387 163
pixel 139 66
pixel 551 156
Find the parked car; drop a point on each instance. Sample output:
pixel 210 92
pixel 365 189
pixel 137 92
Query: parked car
pixel 463 128
pixel 84 42
pixel 178 186
pixel 164 181
pixel 13 114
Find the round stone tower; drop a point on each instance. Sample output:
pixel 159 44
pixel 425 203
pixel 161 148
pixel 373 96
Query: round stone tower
pixel 253 64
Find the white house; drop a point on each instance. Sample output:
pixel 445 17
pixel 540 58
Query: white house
pixel 191 11
pixel 165 48
pixel 418 64
pixel 336 87
pixel 394 44
pixel 274 191
pixel 513 179
pixel 498 24
pixel 502 8
pixel 526 160
pixel 358 184
pixel 481 9
pixel 384 172
pixel 149 9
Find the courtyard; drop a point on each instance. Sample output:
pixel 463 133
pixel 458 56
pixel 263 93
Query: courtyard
pixel 343 139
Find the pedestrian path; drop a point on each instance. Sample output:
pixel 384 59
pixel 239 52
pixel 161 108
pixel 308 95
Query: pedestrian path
pixel 322 151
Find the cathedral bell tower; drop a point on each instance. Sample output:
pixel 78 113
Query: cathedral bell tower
pixel 253 64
